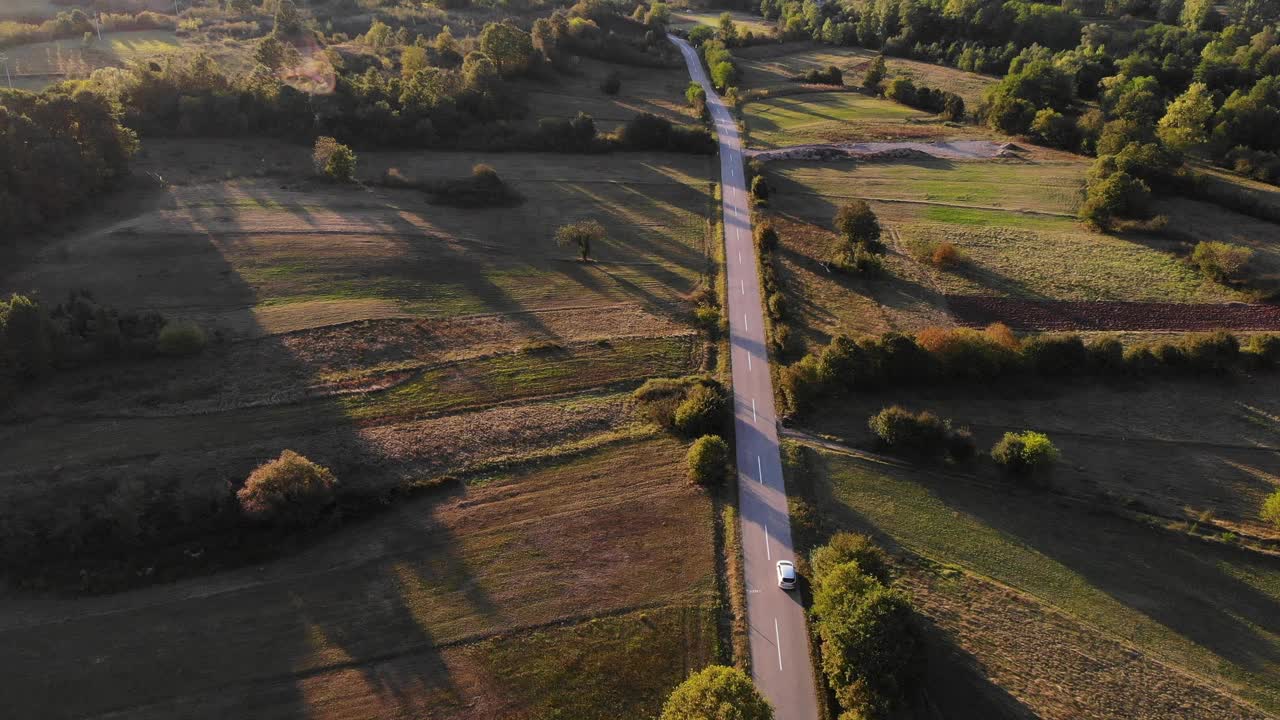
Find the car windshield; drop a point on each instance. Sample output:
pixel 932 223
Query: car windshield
pixel 788 572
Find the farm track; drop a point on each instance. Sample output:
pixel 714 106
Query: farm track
pixel 1023 314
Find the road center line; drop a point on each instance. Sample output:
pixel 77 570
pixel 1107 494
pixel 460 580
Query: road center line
pixel 777 641
pixel 745 325
pixel 744 286
pixel 759 469
pixel 768 553
pixel 753 409
pixel 748 360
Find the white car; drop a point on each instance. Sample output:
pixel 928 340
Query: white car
pixel 786 575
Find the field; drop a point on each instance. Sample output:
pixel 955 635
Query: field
pixel 745 22
pixel 418 613
pixel 1013 222
pixel 1075 614
pixel 37 65
pixel 397 342
pixel 770 69
pixel 658 91
pixel 831 117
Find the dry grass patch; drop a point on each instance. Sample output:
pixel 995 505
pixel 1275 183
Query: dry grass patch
pixel 565 541
pixel 658 91
pixel 37 65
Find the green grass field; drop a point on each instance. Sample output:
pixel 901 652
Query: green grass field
pixel 1205 608
pixel 40 64
pixel 687 19
pixel 828 117
pixel 1013 222
pixel 771 69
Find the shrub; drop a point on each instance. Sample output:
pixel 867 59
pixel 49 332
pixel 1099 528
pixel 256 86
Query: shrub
pixel 180 338
pixel 1211 353
pixel 333 159
pixel 759 188
pixel 875 74
pixel 716 693
pixel 1025 453
pixel 857 223
pixel 1054 354
pixel 766 236
pixel 1105 355
pixel 290 491
pixel 846 547
pixel 702 411
pixel 946 254
pixel 611 83
pixel 1263 351
pixel 969 353
pixel 1220 261
pixel 831 75
pixel 708 460
pixel 920 433
pixel 1271 510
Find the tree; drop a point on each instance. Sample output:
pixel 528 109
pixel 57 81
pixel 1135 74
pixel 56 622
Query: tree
pixel 333 159
pixel 379 35
pixel 270 52
pixel 581 235
pixel 857 223
pixel 1185 123
pixel 180 338
pixel 1025 453
pixel 508 46
pixel 708 460
pixel 716 693
pixel 611 83
pixel 728 32
pixel 659 14
pixel 288 20
pixel 412 61
pixel 1271 510
pixel 701 412
pixel 1055 129
pixel 875 74
pixel 846 547
pixel 759 188
pixel 1117 195
pixel 1219 260
pixel 447 48
pixel 290 491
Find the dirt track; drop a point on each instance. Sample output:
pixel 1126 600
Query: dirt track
pixel 1021 314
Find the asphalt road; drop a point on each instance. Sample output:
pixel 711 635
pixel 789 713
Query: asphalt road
pixel 779 643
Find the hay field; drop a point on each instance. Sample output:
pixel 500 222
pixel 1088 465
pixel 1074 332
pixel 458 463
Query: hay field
pixel 473 604
pixel 689 19
pixel 833 117
pixel 1199 616
pixel 770 69
pixel 659 91
pixel 1012 221
pixel 37 65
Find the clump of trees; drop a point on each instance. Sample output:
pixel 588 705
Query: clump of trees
pixel 646 131
pixel 690 406
pixel 181 338
pixel 708 460
pixel 921 434
pixel 946 105
pixel 831 75
pixel 970 355
pixel 717 693
pixel 333 160
pixel 1220 261
pixel 858 238
pixel 1028 453
pixel 36 340
pixel 872 651
pixel 60 148
pixel 289 492
pixel 483 188
pixel 1271 510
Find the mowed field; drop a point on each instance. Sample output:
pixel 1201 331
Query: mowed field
pixel 1072 613
pixel 38 65
pixel 745 22
pixel 396 342
pixel 576 586
pixel 833 117
pixel 659 91
pixel 1013 222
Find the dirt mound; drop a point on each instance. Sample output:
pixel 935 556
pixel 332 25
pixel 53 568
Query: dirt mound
pixel 1022 314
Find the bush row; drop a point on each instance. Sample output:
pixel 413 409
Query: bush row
pixel 922 434
pixel 939 354
pixel 775 305
pixel 947 105
pixel 871 647
pixel 690 406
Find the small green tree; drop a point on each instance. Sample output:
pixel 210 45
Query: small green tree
pixel 701 412
pixel 333 159
pixel 727 31
pixel 759 188
pixel 288 20
pixel 717 693
pixel 875 74
pixel 1025 453
pixel 1220 261
pixel 581 235
pixel 1271 510
pixel 857 223
pixel 508 46
pixel 180 338
pixel 1185 122
pixel 846 547
pixel 708 460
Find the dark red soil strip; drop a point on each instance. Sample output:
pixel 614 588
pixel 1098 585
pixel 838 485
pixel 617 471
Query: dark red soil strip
pixel 1021 314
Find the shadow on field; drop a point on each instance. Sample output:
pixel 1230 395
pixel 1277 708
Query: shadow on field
pixel 248 642
pixel 1190 587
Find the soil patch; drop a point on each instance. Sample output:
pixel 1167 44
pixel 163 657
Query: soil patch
pixel 1022 314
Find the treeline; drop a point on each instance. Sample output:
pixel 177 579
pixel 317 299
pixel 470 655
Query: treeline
pixel 76 24
pixel 36 340
pixel 947 105
pixel 57 150
pixel 969 355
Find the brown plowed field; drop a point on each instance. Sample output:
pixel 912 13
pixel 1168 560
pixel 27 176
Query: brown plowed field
pixel 1022 314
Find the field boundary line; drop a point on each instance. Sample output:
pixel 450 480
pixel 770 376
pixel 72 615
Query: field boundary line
pixel 987 208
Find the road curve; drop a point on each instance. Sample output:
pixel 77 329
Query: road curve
pixel 779 641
